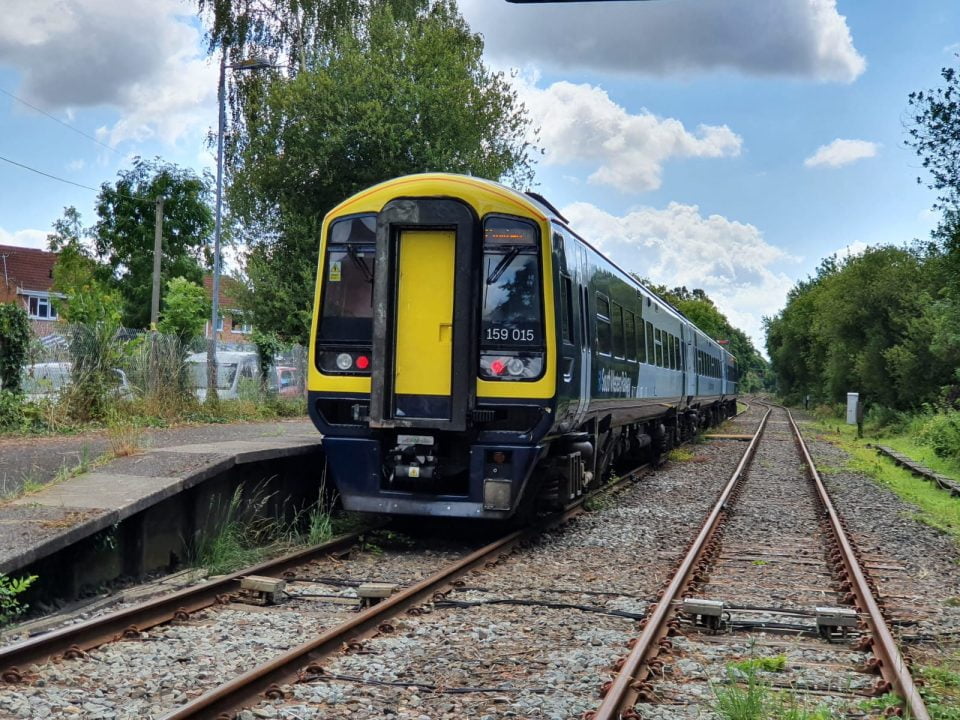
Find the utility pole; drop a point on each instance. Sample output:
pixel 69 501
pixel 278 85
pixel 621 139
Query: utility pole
pixel 157 253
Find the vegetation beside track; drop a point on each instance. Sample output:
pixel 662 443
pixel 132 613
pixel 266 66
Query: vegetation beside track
pixel 935 507
pixel 253 528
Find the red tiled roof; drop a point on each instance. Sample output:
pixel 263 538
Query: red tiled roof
pixel 26 268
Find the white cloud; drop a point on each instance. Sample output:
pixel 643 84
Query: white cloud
pixel 678 245
pixel 580 124
pixel 841 152
pixel 76 165
pixel 143 57
pixel 27 238
pixel 798 38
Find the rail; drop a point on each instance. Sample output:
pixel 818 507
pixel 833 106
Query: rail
pixel 620 695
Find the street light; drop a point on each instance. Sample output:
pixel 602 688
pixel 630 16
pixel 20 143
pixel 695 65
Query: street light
pixel 250 64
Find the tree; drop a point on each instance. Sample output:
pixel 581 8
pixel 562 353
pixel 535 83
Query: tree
pixel 405 95
pixel 185 310
pixel 14 341
pixel 934 133
pixel 123 235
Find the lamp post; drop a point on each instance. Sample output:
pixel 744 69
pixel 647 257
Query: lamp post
pixel 252 64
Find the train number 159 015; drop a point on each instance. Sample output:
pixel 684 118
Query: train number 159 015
pixel 509 334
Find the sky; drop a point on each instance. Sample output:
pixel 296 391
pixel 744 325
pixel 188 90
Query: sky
pixel 728 146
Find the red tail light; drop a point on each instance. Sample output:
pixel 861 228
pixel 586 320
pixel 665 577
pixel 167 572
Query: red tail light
pixel 498 366
pixel 363 362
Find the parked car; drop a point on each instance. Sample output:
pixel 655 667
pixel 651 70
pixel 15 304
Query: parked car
pixel 47 380
pixel 285 381
pixel 232 368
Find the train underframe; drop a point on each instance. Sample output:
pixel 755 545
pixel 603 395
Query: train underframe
pixel 500 474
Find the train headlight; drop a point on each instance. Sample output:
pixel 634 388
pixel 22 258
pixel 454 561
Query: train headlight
pixel 515 366
pixel 511 365
pixel 344 361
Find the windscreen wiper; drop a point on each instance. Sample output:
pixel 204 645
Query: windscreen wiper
pixel 503 265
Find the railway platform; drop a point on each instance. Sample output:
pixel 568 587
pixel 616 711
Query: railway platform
pixel 161 492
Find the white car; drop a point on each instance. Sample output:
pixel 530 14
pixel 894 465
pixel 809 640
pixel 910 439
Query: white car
pixel 46 380
pixel 232 369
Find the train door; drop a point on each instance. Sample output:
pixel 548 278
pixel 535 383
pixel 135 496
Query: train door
pixel 424 322
pixel 689 362
pixel 424 315
pixel 568 313
pixel 585 347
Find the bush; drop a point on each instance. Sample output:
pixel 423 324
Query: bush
pixel 941 432
pixel 14 342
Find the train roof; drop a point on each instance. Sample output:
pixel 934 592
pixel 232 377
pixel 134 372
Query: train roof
pixel 531 201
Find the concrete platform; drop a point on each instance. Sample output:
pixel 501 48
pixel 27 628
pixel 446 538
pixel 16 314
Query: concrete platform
pixel 35 526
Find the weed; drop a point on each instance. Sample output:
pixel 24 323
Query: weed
pixel 680 455
pixel 125 438
pixel 734 702
pixel 238 535
pixel 759 562
pixel 10 606
pixel 745 696
pixel 600 501
pixel 776 663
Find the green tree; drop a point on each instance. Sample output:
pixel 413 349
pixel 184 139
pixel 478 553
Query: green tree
pixel 404 95
pixel 185 310
pixel 124 232
pixel 88 296
pixel 14 342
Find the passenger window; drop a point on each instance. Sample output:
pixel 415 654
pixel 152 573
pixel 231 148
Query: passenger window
pixel 678 349
pixel 648 351
pixel 658 345
pixel 566 308
pixel 603 325
pixel 617 320
pixel 629 327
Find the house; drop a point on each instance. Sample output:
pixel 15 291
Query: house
pixel 26 278
pixel 232 329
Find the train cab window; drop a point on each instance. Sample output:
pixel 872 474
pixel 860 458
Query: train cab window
pixel 616 319
pixel 346 315
pixel 648 343
pixel 630 332
pixel 604 339
pixel 566 308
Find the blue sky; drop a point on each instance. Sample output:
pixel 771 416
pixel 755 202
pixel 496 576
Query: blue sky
pixel 681 136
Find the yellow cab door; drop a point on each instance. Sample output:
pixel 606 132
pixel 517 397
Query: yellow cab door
pixel 424 324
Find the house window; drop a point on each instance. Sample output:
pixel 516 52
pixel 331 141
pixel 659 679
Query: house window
pixel 220 323
pixel 39 307
pixel 239 325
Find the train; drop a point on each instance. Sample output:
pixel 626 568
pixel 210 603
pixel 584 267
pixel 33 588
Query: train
pixel 471 356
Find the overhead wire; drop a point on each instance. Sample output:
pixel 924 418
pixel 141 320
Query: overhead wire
pixel 61 122
pixel 71 182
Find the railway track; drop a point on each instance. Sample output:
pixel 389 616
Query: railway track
pixel 495 630
pixel 102 661
pixel 771 581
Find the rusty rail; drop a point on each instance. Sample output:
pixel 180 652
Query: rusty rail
pixel 893 668
pixel 622 692
pixel 76 639
pixel 303 661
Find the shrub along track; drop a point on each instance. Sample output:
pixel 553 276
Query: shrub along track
pixel 772 551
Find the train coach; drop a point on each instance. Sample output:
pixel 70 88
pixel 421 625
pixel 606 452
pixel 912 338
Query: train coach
pixel 472 356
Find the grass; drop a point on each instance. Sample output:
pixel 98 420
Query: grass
pixel 935 507
pixel 253 526
pixel 680 455
pixel 747 696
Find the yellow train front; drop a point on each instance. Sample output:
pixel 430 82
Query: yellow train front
pixel 464 335
pixel 432 376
